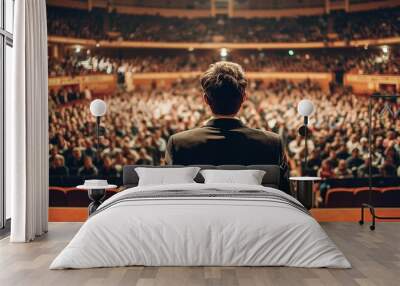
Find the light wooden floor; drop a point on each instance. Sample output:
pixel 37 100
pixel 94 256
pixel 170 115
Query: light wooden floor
pixel 375 257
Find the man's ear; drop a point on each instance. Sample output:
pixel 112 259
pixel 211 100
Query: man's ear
pixel 205 98
pixel 244 97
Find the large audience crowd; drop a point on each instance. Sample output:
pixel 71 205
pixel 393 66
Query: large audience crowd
pixel 360 61
pixel 102 24
pixel 138 124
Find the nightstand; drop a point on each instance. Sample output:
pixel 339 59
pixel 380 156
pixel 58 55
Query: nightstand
pixel 96 192
pixel 304 190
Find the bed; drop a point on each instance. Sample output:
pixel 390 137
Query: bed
pixel 198 224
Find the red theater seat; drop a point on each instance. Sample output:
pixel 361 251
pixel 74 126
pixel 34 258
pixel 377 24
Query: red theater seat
pixel 390 197
pixel 77 198
pixel 339 198
pixel 57 197
pixel 361 195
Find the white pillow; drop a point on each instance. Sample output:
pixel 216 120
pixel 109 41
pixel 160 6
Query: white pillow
pixel 166 176
pixel 248 177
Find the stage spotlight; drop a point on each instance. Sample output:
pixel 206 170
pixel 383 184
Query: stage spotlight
pixel 307 56
pixel 385 49
pixel 78 49
pixel 97 45
pixel 291 52
pixel 223 52
pixel 191 49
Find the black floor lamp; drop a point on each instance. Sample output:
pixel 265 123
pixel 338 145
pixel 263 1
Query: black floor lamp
pixel 369 204
pixel 304 184
pixel 305 108
pixel 97 188
pixel 98 109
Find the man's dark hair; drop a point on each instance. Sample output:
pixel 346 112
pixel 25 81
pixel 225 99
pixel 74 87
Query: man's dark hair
pixel 224 86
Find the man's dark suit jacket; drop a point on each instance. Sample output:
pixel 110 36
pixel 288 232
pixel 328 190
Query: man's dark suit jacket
pixel 227 141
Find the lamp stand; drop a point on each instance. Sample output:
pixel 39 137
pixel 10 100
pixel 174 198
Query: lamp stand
pixel 98 140
pixel 96 195
pixel 370 205
pixel 305 145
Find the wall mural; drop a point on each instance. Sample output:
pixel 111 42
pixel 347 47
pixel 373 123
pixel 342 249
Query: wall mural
pixel 154 93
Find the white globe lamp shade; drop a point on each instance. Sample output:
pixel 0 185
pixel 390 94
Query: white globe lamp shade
pixel 98 107
pixel 305 107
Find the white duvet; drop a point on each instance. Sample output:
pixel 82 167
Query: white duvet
pixel 200 231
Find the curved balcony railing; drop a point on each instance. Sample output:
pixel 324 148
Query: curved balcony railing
pixel 218 45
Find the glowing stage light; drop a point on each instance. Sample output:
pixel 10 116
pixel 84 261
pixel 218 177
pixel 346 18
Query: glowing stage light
pixel 291 52
pixel 78 49
pixel 385 49
pixel 223 52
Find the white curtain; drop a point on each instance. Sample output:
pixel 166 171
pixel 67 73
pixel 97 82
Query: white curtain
pixel 27 124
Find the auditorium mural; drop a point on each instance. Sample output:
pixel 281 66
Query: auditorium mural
pixel 153 93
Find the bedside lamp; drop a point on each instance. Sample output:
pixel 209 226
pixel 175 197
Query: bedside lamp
pixel 98 109
pixel 305 108
pixel 96 188
pixel 305 184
